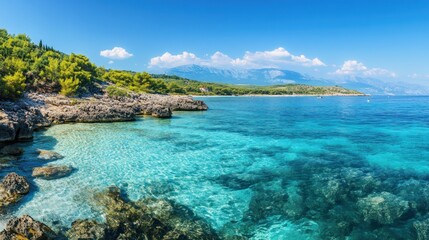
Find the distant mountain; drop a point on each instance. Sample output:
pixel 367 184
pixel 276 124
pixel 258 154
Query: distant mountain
pixel 270 76
pixel 265 76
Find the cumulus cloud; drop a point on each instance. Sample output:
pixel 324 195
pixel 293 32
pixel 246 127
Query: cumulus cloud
pixel 277 58
pixel 168 60
pixel 355 68
pixel 116 53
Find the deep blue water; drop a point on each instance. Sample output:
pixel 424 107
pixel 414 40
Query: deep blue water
pixel 260 167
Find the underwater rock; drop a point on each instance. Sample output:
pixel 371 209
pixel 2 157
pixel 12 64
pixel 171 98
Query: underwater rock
pixel 7 159
pixel 25 227
pixel 238 181
pixel 12 150
pixel 383 208
pixel 421 229
pixel 48 155
pixel 86 229
pixel 332 186
pixel 12 188
pixel 416 192
pixel 51 172
pixel 150 219
pixel 267 200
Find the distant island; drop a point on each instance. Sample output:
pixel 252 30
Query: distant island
pixel 29 67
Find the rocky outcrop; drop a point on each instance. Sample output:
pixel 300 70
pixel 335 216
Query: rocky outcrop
pixel 175 103
pixel 64 110
pixel 19 119
pixel 12 188
pixel 158 111
pixel 51 172
pixel 25 227
pixel 48 155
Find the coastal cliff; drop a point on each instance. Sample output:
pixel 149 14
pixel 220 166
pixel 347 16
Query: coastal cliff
pixel 19 119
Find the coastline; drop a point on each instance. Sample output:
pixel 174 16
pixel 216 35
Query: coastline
pixel 285 95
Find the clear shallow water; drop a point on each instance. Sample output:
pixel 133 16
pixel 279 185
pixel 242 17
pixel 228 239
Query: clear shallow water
pixel 217 162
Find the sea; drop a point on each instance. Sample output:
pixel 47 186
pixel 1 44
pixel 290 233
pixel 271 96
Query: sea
pixel 256 167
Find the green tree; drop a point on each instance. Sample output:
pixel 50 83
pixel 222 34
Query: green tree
pixel 69 86
pixel 12 86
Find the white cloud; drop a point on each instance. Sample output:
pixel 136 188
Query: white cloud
pixel 111 62
pixel 355 68
pixel 277 58
pixel 116 53
pixel 167 60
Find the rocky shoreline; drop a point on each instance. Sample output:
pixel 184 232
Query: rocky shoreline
pixel 18 121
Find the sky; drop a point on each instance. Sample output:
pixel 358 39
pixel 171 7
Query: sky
pixel 385 39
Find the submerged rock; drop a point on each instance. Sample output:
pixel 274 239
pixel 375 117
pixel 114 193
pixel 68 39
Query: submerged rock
pixel 25 227
pixel 7 159
pixel 51 172
pixel 267 201
pixel 12 150
pixel 421 229
pixel 87 229
pixel 383 208
pixel 12 188
pixel 48 155
pixel 149 219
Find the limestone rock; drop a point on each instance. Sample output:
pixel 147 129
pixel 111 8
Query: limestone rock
pixel 25 227
pixel 51 172
pixel 48 155
pixel 12 188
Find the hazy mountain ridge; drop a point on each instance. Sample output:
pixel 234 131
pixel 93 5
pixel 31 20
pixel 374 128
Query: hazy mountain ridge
pixel 270 76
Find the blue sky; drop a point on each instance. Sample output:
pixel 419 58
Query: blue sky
pixel 386 39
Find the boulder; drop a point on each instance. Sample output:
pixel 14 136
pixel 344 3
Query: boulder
pixel 25 227
pixel 12 188
pixel 383 208
pixel 51 172
pixel 48 155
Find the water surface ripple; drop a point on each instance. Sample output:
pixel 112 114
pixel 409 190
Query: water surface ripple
pixel 259 167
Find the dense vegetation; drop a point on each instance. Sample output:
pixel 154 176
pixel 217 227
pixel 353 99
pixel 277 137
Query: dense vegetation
pixel 26 66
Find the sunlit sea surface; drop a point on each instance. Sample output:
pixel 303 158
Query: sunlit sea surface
pixel 250 166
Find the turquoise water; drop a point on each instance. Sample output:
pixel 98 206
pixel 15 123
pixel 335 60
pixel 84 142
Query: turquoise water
pixel 249 166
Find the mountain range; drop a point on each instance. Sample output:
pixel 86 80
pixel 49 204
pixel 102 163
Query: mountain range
pixel 271 76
